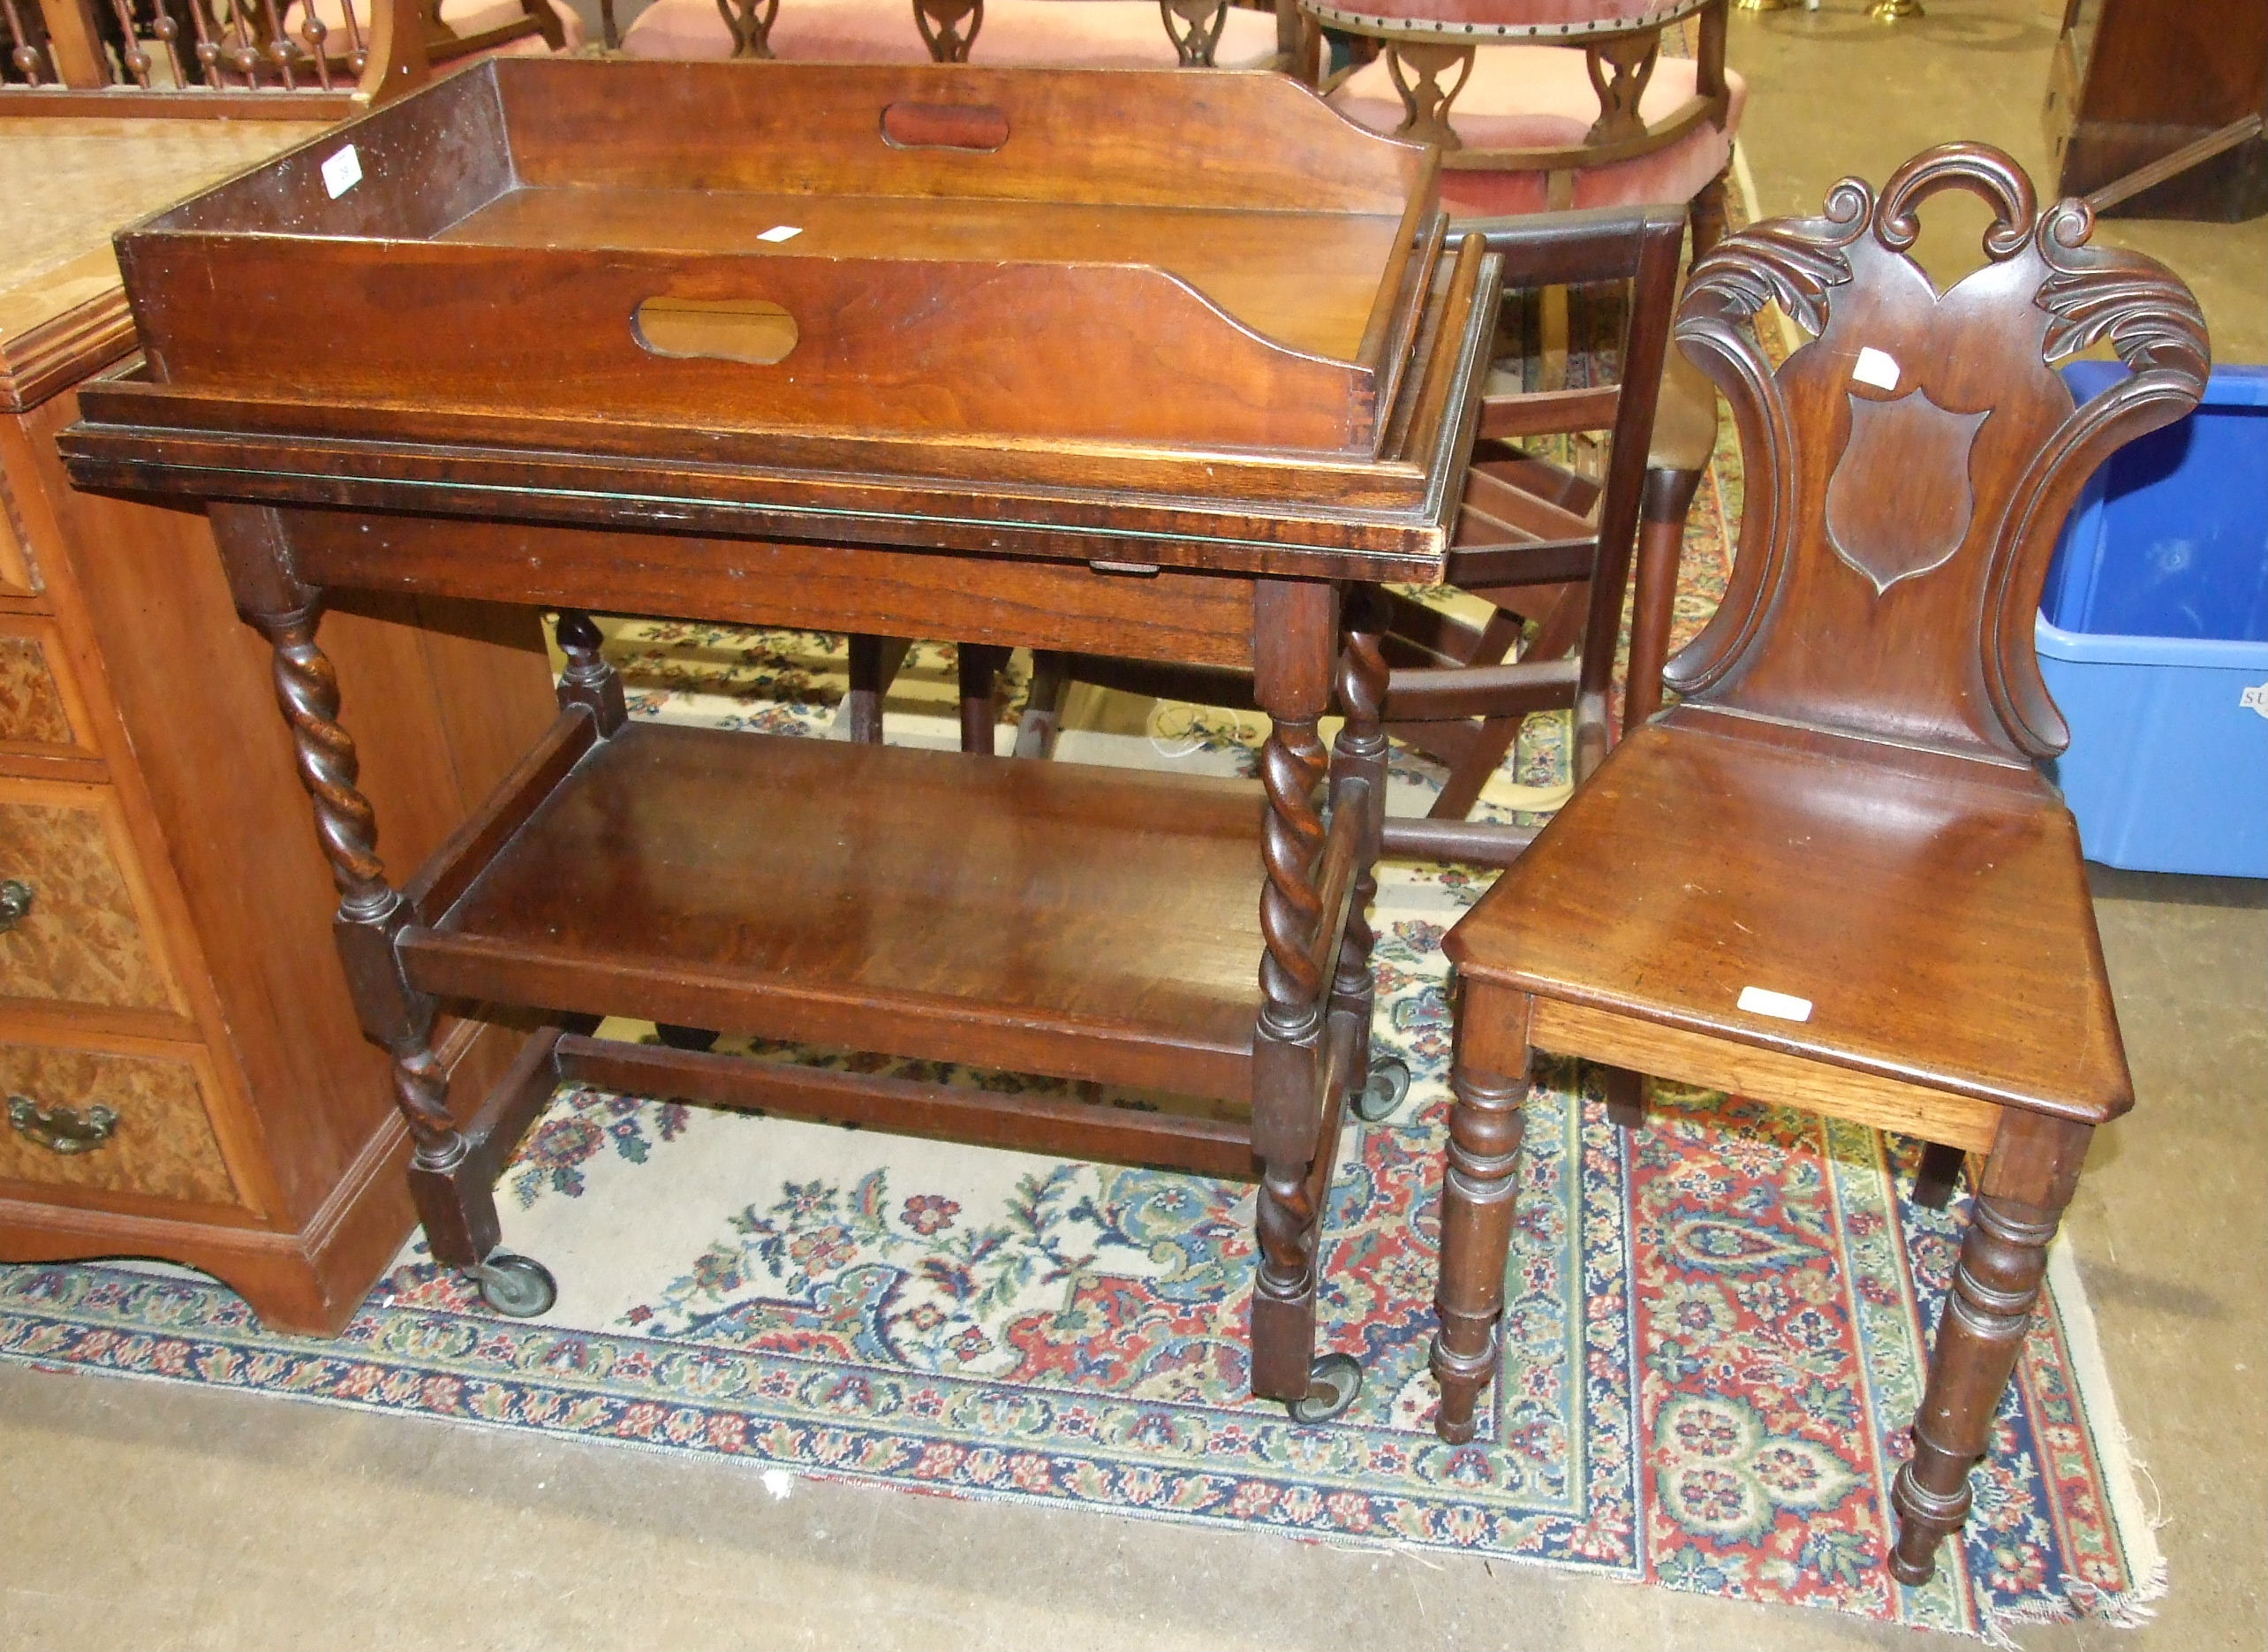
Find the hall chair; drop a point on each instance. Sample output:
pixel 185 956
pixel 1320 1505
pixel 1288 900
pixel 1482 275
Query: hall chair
pixel 1833 877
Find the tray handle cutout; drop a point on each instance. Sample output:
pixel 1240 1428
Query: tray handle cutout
pixel 754 331
pixel 977 128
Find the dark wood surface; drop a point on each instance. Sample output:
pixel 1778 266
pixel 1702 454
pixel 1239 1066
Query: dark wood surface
pixel 1844 810
pixel 808 890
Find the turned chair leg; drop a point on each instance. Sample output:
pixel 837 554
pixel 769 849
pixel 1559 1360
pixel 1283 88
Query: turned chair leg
pixel 1938 1175
pixel 1707 215
pixel 1477 1210
pixel 1042 722
pixel 874 662
pixel 1626 1096
pixel 2027 1182
pixel 978 668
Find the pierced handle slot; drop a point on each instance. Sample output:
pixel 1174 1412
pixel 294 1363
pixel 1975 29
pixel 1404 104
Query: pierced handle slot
pixel 972 128
pixel 62 1129
pixel 753 330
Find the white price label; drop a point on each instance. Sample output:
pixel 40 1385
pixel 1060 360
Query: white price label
pixel 1878 367
pixel 343 172
pixel 1779 1006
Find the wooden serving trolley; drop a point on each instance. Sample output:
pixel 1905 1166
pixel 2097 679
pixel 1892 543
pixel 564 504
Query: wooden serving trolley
pixel 1165 366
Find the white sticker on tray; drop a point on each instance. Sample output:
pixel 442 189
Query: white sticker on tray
pixel 1878 367
pixel 1779 1006
pixel 343 172
pixel 2255 700
pixel 782 232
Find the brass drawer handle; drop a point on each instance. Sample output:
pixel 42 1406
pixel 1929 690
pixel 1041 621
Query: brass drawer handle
pixel 62 1129
pixel 15 903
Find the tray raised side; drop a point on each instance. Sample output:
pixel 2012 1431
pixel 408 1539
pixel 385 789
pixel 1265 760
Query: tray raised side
pixel 1120 256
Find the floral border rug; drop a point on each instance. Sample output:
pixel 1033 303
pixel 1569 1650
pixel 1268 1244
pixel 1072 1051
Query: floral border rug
pixel 1714 1338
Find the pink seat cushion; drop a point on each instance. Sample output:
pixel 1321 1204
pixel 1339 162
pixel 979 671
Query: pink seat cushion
pixel 1532 97
pixel 1071 34
pixel 466 18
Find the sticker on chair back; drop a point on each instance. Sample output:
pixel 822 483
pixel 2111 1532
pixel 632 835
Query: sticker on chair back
pixel 1779 1006
pixel 343 172
pixel 2254 699
pixel 1878 367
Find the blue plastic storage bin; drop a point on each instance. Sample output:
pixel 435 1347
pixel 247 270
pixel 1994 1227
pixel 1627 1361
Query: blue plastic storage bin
pixel 2153 638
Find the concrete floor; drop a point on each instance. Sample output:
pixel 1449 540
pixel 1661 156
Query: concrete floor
pixel 146 1515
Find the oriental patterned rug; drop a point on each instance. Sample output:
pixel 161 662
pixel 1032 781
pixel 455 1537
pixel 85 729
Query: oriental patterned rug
pixel 1714 1339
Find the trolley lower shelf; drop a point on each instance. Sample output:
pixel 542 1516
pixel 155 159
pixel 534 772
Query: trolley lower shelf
pixel 1081 921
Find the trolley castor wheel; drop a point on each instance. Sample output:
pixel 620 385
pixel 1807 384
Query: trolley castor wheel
pixel 518 1287
pixel 698 1038
pixel 1333 1381
pixel 1389 1082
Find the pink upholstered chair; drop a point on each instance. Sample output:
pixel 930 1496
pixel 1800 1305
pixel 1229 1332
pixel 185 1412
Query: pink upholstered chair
pixel 458 29
pixel 1067 33
pixel 1541 105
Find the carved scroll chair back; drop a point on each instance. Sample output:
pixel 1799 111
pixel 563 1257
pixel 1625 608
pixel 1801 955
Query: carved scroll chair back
pixel 1063 34
pixel 1833 877
pixel 1549 104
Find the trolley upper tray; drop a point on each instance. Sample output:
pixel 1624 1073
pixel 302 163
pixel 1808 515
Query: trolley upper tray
pixel 1160 258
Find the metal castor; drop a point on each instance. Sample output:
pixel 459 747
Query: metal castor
pixel 1389 1082
pixel 518 1287
pixel 1333 1381
pixel 699 1038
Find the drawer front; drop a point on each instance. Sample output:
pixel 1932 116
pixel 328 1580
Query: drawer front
pixel 76 920
pixel 42 713
pixel 103 1119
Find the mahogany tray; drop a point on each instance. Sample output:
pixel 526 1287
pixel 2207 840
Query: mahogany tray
pixel 1100 255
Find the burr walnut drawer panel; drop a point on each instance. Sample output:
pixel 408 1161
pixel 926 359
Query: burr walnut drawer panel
pixel 76 919
pixel 112 1121
pixel 41 714
pixel 19 576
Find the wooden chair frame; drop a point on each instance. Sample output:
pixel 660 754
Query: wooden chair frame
pixel 949 29
pixel 1430 61
pixel 1528 541
pixel 1864 710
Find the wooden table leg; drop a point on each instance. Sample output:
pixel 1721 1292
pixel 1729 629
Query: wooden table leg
pixel 1294 650
pixel 2028 1181
pixel 1359 754
pixel 1478 1191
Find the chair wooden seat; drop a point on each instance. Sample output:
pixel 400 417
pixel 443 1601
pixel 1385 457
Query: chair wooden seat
pixel 1630 903
pixel 1082 921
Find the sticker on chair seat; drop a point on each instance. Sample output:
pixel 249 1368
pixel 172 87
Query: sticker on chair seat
pixel 2254 699
pixel 1779 1006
